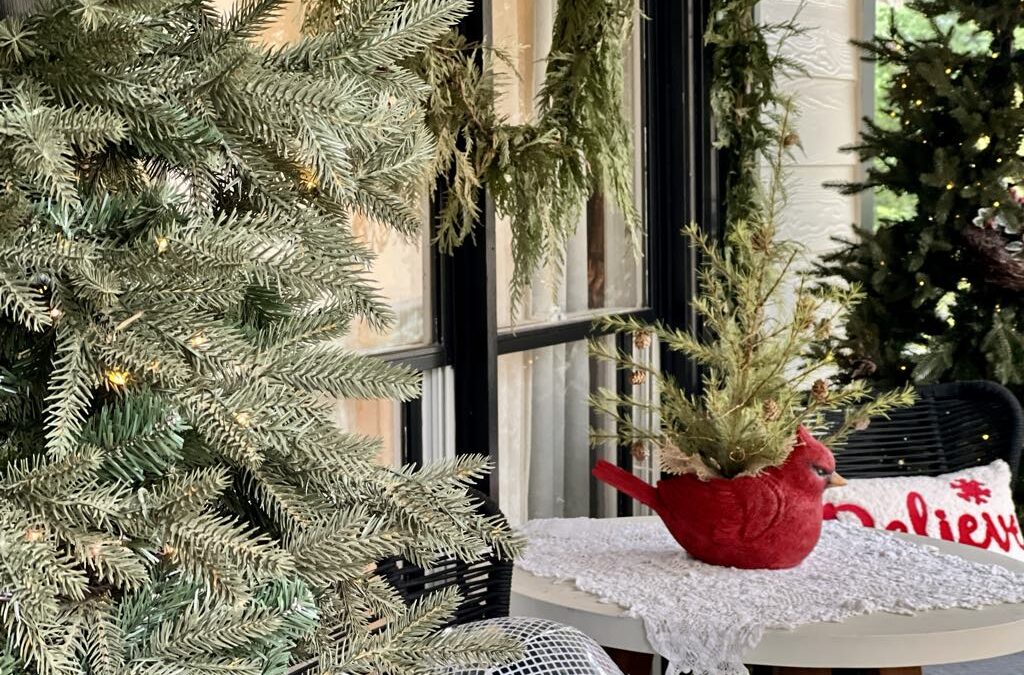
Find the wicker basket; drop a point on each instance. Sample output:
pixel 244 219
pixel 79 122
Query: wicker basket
pixel 1001 268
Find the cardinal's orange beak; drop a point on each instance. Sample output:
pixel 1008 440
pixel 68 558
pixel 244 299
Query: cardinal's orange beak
pixel 835 480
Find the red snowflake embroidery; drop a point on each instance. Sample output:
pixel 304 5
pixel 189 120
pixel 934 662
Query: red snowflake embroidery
pixel 971 490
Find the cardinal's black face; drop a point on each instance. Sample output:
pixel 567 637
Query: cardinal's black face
pixel 829 476
pixel 813 468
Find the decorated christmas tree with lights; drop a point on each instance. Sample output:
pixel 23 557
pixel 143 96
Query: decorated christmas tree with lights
pixel 942 276
pixel 177 270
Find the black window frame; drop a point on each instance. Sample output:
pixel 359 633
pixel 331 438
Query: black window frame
pixel 682 183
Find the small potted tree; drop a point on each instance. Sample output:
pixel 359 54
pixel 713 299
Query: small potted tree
pixel 747 472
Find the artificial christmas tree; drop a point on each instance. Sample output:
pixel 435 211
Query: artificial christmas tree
pixel 942 275
pixel 177 269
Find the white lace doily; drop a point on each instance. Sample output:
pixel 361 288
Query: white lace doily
pixel 703 618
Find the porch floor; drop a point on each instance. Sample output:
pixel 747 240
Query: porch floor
pixel 1006 665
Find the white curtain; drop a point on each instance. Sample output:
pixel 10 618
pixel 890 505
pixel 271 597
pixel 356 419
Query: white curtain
pixel 544 428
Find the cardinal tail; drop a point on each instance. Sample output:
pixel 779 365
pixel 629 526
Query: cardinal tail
pixel 624 481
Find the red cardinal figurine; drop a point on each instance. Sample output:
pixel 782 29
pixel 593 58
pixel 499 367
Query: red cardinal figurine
pixel 768 521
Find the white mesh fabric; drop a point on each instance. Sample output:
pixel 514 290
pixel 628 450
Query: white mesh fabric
pixel 549 648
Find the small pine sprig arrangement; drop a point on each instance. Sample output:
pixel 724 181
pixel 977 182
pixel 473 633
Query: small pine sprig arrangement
pixel 757 357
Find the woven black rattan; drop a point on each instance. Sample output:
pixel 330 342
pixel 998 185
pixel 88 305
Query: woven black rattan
pixel 484 586
pixel 951 427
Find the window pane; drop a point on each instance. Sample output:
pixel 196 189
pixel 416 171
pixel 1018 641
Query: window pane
pixel 601 271
pixel 380 418
pixel 402 271
pixel 544 420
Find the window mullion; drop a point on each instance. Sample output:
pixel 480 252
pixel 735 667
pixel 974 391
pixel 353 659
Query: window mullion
pixel 473 305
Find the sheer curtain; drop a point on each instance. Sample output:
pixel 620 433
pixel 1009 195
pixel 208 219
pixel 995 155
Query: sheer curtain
pixel 544 421
pixel 602 270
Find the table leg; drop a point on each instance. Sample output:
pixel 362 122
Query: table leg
pixel 631 663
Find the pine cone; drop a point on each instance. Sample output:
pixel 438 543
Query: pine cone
pixel 638 451
pixel 823 330
pixel 863 369
pixel 791 139
pixel 761 242
pixel 819 391
pixel 861 425
pixel 638 377
pixel 770 410
pixel 642 339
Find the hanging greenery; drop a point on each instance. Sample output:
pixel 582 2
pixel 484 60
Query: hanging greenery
pixel 747 63
pixel 540 174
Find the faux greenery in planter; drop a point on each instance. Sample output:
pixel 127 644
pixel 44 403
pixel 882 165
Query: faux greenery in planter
pixel 758 357
pixel 749 473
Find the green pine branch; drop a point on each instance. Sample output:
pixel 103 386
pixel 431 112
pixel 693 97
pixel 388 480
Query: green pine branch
pixel 179 272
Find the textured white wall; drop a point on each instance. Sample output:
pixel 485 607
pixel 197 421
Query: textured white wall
pixel 830 103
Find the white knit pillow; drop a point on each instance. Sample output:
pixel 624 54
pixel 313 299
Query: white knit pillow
pixel 973 506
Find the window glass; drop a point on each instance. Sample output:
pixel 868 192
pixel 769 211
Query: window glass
pixel 602 271
pixel 385 419
pixel 402 272
pixel 380 418
pixel 544 422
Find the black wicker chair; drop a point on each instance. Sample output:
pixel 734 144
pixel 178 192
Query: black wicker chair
pixel 951 427
pixel 485 586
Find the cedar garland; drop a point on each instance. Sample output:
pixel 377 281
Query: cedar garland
pixel 539 174
pixel 747 61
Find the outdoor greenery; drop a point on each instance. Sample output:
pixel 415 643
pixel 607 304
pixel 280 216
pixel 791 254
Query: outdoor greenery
pixel 942 271
pixel 913 24
pixel 756 358
pixel 177 269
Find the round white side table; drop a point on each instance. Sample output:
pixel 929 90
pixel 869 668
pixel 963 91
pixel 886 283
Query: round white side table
pixel 894 644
